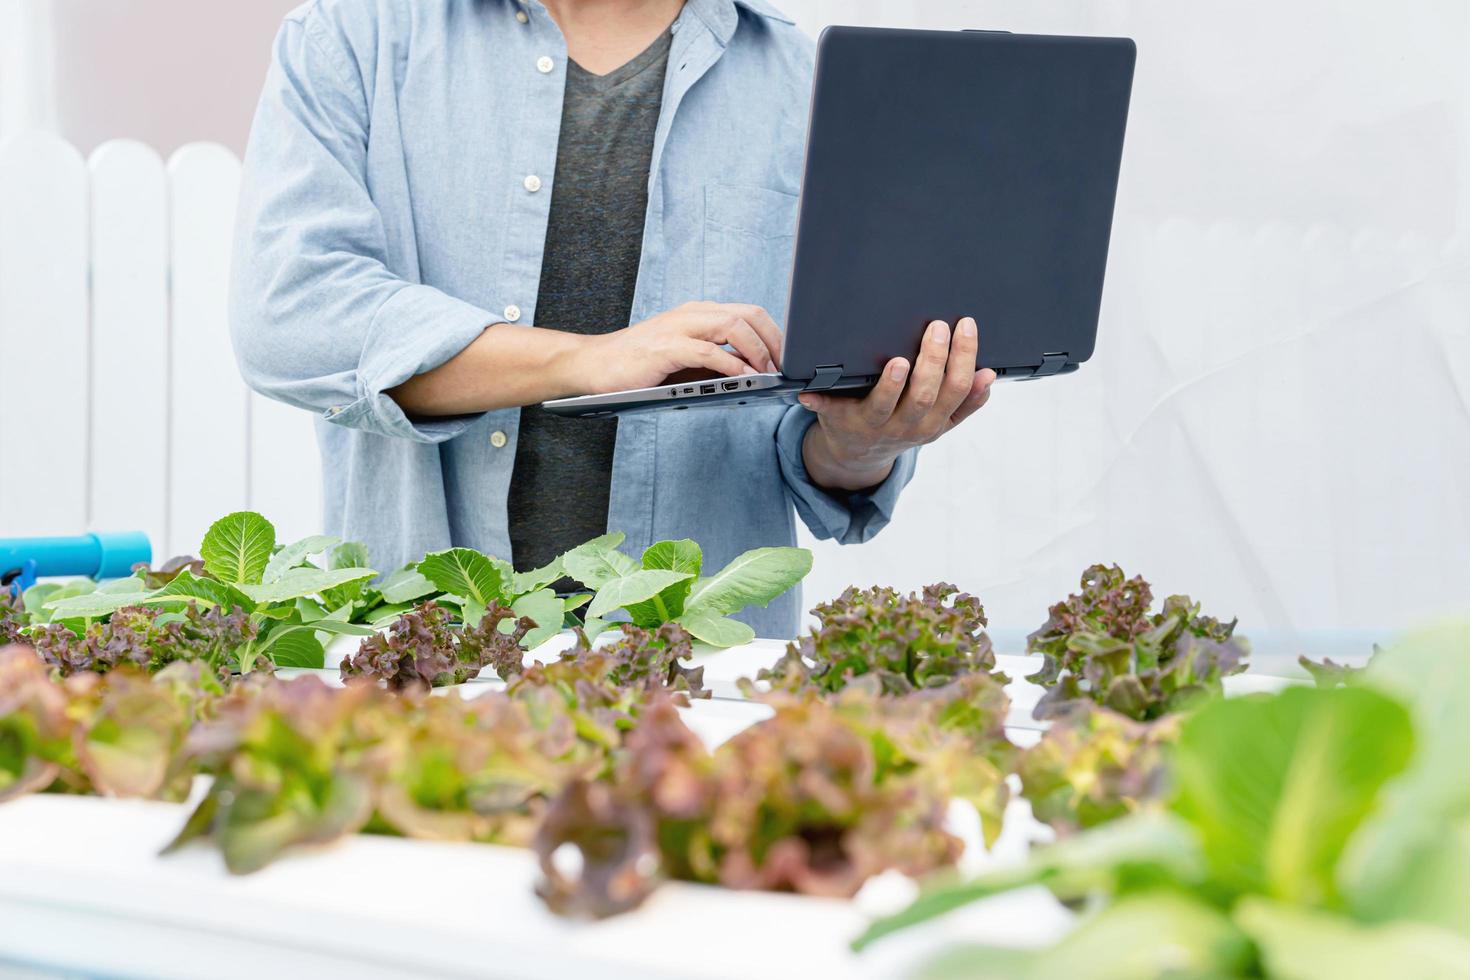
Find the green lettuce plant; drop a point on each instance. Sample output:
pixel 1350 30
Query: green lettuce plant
pixel 423 648
pixel 122 734
pixel 898 643
pixel 1093 765
pixel 473 584
pixel 649 660
pixel 47 602
pixel 280 594
pixel 832 790
pixel 294 596
pixel 806 801
pixel 1329 673
pixel 299 763
pixel 13 616
pixel 1316 833
pixel 148 638
pixel 605 689
pixel 667 586
pixel 954 734
pixel 478 770
pixel 1103 645
pixel 396 593
pixel 157 578
pixel 38 605
pixel 35 729
pixel 293 765
pixel 664 587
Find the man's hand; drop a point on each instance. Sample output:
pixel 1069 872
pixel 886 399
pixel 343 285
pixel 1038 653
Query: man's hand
pixel 855 443
pixel 689 336
pixel 508 366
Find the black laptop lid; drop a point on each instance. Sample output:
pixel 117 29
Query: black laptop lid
pixel 952 174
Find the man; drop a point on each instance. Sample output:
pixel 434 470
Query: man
pixel 426 179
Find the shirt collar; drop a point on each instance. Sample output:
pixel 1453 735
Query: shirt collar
pixel 765 10
pixel 722 16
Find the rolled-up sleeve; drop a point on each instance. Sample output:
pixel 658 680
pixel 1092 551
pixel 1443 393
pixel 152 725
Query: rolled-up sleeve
pixel 851 518
pixel 318 317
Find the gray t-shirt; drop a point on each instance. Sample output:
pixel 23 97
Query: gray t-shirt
pixel 594 239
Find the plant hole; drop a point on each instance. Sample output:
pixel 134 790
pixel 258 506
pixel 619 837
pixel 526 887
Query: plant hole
pixel 568 861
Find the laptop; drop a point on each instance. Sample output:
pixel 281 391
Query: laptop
pixel 948 174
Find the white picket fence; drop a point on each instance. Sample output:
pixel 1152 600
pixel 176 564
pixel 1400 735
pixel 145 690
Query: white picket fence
pixel 120 404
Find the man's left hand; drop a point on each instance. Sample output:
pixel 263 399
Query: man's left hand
pixel 856 441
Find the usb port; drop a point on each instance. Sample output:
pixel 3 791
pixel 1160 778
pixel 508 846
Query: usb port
pixel 706 389
pixel 731 386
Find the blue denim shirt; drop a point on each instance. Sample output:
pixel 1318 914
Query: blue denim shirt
pixel 388 216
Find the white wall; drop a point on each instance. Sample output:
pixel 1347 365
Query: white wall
pixel 95 70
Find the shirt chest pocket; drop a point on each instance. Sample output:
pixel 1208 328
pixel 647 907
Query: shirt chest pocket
pixel 749 233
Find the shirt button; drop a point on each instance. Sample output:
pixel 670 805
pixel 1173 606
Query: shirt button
pixel 523 17
pixel 498 439
pixel 532 183
pixel 544 65
pixel 512 313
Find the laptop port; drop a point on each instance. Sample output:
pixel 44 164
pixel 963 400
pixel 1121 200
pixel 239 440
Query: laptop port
pixel 706 389
pixel 731 386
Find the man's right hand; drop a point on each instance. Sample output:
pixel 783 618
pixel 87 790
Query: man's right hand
pixel 690 336
pixel 508 366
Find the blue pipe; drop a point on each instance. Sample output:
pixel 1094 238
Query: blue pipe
pixel 97 556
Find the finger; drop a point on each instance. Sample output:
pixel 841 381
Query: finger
pixel 970 406
pixel 928 375
pixel 977 399
pixel 748 344
pixel 718 325
pixel 765 326
pixel 714 357
pixel 959 371
pixel 840 411
pixel 878 406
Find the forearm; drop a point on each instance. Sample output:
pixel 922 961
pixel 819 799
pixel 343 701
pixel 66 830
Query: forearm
pixel 833 473
pixel 505 367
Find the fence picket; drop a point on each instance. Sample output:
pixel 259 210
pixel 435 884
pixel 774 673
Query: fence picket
pixel 43 313
pixel 130 328
pixel 210 410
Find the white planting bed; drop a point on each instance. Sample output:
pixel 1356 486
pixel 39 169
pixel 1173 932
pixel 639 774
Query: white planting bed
pixel 82 889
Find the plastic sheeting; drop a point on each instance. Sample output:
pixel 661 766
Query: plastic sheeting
pixel 1276 419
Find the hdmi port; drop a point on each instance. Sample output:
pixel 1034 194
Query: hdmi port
pixel 706 389
pixel 731 386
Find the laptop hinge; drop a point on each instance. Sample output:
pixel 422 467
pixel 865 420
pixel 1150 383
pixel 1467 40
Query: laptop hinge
pixel 1051 364
pixel 827 375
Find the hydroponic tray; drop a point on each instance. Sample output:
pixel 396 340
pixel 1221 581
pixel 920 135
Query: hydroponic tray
pixel 724 669
pixel 84 890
